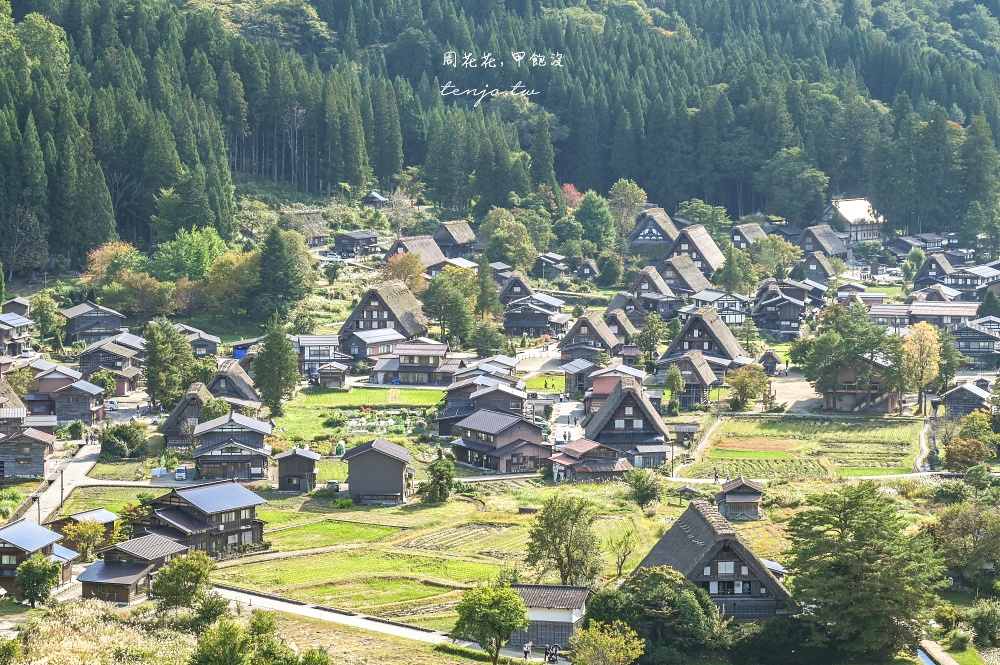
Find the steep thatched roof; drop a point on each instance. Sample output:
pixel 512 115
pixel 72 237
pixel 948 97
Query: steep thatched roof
pixel 627 387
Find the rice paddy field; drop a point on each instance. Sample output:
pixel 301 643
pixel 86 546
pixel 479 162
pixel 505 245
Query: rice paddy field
pixel 809 448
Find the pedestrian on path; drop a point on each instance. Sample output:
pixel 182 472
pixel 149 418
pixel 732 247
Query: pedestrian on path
pixel 527 650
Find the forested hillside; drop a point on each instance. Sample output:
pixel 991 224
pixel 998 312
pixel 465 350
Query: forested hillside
pixel 130 117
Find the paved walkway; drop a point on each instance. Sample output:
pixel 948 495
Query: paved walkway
pixel 937 653
pixel 67 475
pixel 357 621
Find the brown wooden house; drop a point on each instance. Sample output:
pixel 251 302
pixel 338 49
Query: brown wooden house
pixel 698 377
pixel 499 442
pixel 19 540
pixel 379 473
pixel 103 516
pixel 626 418
pixel 704 331
pixel 454 238
pixel 585 460
pixel 821 238
pixel 463 398
pixel 744 235
pixel 653 233
pixel 695 242
pixel 740 499
pixel 420 362
pixel 89 322
pixel 704 547
pixel 211 518
pixel 125 572
pixel 964 399
pixel 682 275
pixel 80 400
pixel 233 384
pixel 178 427
pixel 121 360
pixel 588 271
pixel 854 391
pixel 25 453
pixel 588 337
pixel 387 306
pixel 620 325
pixel 422 246
pixel 232 446
pixel 297 470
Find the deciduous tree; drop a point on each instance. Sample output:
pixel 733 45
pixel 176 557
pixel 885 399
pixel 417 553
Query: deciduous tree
pixel 276 367
pixel 489 614
pixel 737 275
pixel 215 408
pixel 644 486
pixel 747 384
pixel 606 644
pixel 87 535
pixel 922 347
pixel 46 315
pixel 441 474
pixel 562 537
pixel 182 581
pixel 407 268
pixel 37 577
pixel 960 454
pixel 595 217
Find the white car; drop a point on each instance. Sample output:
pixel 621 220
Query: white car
pixel 180 473
pixel 29 353
pixel 111 405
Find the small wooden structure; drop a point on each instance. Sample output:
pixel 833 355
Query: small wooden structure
pixel 126 571
pixel 740 499
pixel 379 473
pixel 333 375
pixel 297 470
pixel 373 200
pixel 770 361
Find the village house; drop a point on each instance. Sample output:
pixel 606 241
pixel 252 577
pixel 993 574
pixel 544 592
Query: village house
pixel 210 518
pixel 971 282
pixel 310 224
pixel 367 345
pixel 704 547
pixel 862 389
pixel 549 266
pixel 966 398
pixel 534 316
pixel 388 306
pixel 297 470
pixel 516 287
pixel 317 350
pixel 89 323
pixel 233 384
pixel 102 516
pixel 577 373
pixel 602 381
pixel 501 272
pixel 379 473
pixel 740 499
pixel 653 233
pixel 655 295
pixel 555 613
pixel 373 200
pixel 823 239
pixel 80 400
pixel 12 410
pixel 698 377
pixel 25 453
pixel 202 343
pixel 19 306
pixel 585 460
pixel 232 446
pixel 124 574
pixel 695 242
pixel 499 442
pixel 455 239
pixel 422 246
pixel 620 325
pixel 587 339
pixel 628 303
pixel 459 262
pixel 770 361
pixel 626 419
pixel 682 276
pixel 941 314
pixel 421 362
pixel 120 360
pixel 15 334
pixel 731 307
pixel 744 235
pixel 19 540
pixel 50 377
pixel 178 427
pixel 935 293
pixel 332 375
pixel 981 345
pixel 777 313
pixel 817 267
pixel 487 391
pixel 588 272
pixel 856 217
pixel 355 244
pixel 704 331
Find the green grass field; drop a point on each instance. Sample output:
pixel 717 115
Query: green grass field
pixel 121 470
pixel 375 397
pixel 326 534
pixel 809 447
pixel 556 384
pixel 112 498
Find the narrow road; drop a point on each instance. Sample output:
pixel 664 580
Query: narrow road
pixel 501 476
pixel 73 474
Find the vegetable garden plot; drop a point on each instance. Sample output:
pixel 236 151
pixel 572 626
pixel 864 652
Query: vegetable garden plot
pixel 455 539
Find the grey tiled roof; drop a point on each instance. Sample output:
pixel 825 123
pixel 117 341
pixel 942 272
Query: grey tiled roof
pixel 28 536
pixel 551 596
pixel 114 572
pixel 220 497
pixel 490 422
pixel 387 448
pixel 148 547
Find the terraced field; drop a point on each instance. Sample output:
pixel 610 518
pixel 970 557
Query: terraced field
pixel 809 448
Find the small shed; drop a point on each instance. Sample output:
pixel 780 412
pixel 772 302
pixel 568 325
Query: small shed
pixel 965 398
pixel 684 433
pixel 126 572
pixel 770 361
pixel 588 270
pixel 373 200
pixel 297 470
pixel 332 375
pixel 379 473
pixel 555 613
pixel 740 499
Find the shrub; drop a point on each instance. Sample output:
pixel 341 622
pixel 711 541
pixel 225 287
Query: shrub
pixel 985 621
pixel 662 656
pixel 958 639
pixel 951 491
pixel 342 504
pixel 75 429
pixel 945 616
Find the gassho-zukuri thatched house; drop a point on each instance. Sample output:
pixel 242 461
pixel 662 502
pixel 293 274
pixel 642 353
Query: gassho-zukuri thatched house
pixel 703 546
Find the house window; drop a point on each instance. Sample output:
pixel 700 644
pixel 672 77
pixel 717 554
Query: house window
pixel 708 571
pixel 8 560
pixel 628 410
pixel 293 481
pixel 637 423
pixel 222 383
pixel 229 517
pixel 233 539
pixel 24 449
pixel 744 571
pixel 619 424
pixel 245 514
pixel 726 567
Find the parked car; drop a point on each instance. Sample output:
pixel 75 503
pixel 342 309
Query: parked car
pixel 111 405
pixel 333 485
pixel 180 473
pixel 29 353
